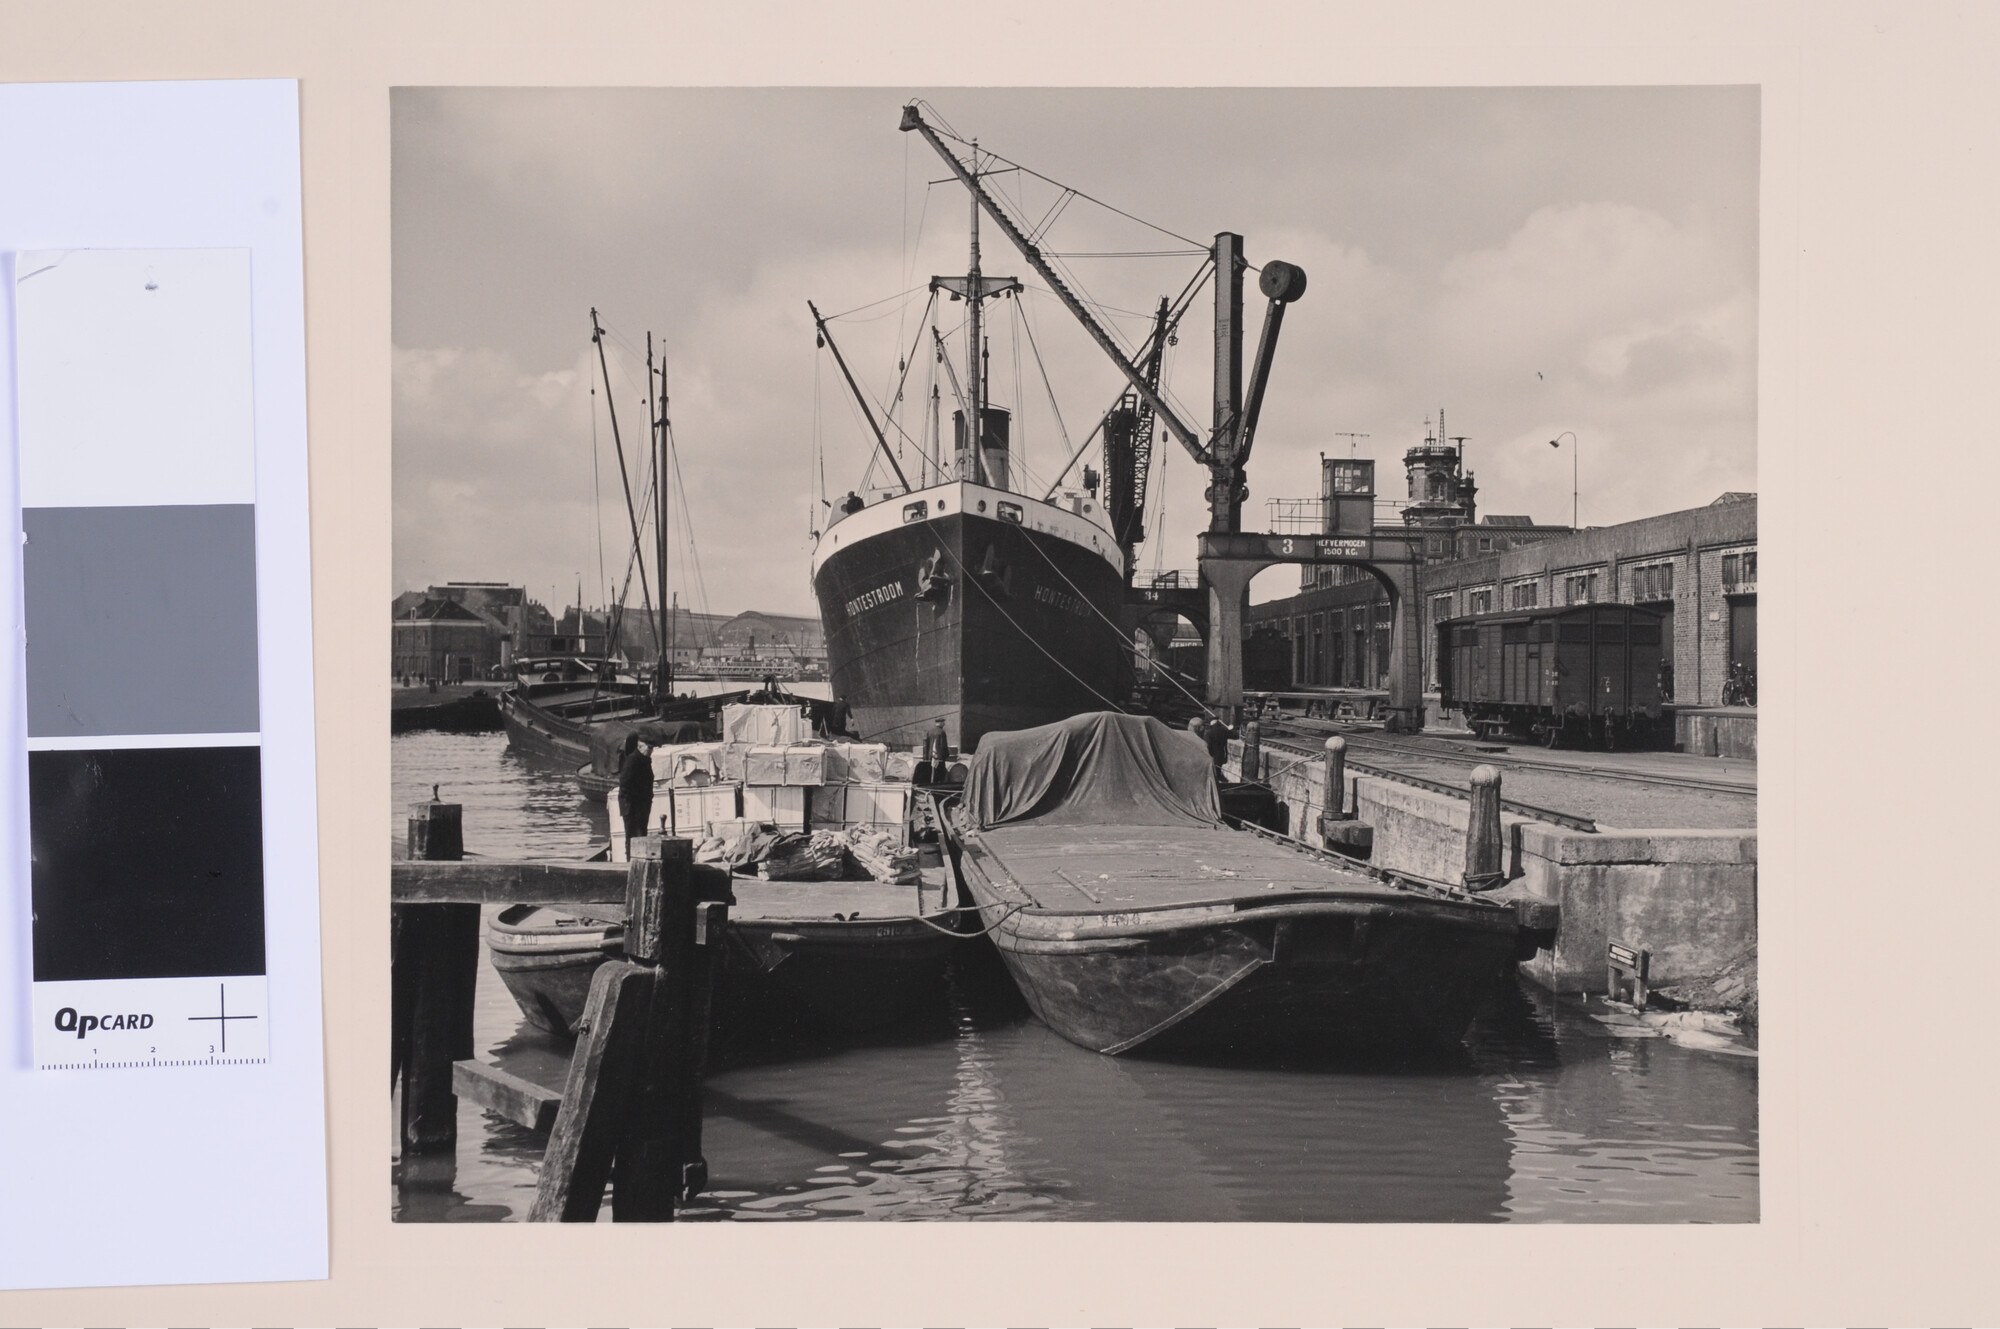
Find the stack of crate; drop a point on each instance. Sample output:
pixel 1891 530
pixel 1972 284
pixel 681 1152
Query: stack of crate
pixel 776 780
pixel 860 790
pixel 688 781
pixel 769 751
pixel 878 805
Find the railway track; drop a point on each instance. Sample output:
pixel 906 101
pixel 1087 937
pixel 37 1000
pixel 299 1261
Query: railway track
pixel 1364 742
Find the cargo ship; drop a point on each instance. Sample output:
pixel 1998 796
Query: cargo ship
pixel 960 598
pixel 971 604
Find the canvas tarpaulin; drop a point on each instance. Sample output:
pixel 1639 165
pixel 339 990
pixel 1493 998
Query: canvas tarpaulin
pixel 1128 770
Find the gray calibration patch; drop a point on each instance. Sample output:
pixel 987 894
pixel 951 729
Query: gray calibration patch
pixel 141 620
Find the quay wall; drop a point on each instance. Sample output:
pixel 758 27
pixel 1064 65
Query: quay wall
pixel 1717 731
pixel 1688 896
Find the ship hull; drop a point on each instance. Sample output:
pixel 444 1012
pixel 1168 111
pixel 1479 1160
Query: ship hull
pixel 1018 631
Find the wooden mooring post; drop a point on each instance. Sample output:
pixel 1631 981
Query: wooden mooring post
pixel 434 967
pixel 1485 866
pixel 631 1111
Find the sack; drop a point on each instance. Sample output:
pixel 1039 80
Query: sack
pixel 819 856
pixel 883 857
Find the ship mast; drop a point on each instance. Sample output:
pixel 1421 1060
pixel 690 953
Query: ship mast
pixel 975 422
pixel 663 674
pixel 975 288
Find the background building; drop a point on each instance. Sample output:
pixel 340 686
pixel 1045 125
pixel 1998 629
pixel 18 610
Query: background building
pixel 1699 567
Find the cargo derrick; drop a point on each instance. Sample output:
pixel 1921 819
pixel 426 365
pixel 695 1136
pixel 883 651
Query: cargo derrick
pixel 1226 450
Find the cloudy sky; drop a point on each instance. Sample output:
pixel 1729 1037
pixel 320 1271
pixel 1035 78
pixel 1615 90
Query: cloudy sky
pixel 1531 260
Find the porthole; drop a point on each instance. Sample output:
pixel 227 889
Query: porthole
pixel 982 505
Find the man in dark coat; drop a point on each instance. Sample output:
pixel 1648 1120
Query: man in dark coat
pixel 937 743
pixel 935 767
pixel 635 789
pixel 1217 737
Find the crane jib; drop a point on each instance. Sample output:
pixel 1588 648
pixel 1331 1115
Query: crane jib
pixel 912 119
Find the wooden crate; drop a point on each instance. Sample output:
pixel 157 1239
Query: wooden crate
pixel 783 806
pixel 695 806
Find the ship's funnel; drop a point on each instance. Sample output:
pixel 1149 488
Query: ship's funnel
pixel 992 450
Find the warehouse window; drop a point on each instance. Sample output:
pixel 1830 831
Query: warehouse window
pixel 1655 581
pixel 1739 572
pixel 1479 601
pixel 1524 595
pixel 1580 588
pixel 1440 607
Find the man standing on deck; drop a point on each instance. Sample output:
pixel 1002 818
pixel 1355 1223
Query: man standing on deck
pixel 635 789
pixel 1215 735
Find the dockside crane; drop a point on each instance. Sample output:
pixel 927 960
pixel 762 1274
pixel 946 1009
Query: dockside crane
pixel 1225 451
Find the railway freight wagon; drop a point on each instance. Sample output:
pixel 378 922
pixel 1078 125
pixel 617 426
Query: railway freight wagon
pixel 1586 674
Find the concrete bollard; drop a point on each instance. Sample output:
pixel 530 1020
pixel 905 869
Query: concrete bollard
pixel 1250 767
pixel 1336 779
pixel 1483 864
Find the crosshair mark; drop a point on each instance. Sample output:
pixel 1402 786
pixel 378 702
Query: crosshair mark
pixel 222 1017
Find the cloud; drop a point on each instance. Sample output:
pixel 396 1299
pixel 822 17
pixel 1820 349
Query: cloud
pixel 1593 269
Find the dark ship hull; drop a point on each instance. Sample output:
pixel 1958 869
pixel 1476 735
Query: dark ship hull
pixel 994 618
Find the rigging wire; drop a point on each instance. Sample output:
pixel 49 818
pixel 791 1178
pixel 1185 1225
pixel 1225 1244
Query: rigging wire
pixel 597 498
pixel 903 295
pixel 967 578
pixel 889 411
pixel 1042 365
pixel 700 587
pixel 1123 253
pixel 1020 448
pixel 938 123
pixel 1116 631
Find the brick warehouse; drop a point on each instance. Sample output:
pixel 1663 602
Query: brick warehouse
pixel 1698 566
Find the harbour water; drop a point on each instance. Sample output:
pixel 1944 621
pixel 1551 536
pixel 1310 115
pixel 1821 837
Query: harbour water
pixel 978 1111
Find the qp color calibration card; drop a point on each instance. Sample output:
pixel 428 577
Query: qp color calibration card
pixel 139 581
pixel 161 1067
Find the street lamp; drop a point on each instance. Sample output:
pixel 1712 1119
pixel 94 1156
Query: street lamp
pixel 1574 449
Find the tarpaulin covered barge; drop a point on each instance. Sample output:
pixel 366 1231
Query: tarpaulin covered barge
pixel 1130 915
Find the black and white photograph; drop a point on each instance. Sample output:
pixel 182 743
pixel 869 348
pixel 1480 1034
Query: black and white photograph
pixel 1060 653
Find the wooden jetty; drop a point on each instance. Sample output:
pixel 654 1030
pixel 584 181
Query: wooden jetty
pixel 840 959
pixel 629 1113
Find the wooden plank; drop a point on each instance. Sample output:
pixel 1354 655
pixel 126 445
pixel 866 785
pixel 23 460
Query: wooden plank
pixel 494 881
pixel 660 878
pixel 660 913
pixel 520 1101
pixel 577 1163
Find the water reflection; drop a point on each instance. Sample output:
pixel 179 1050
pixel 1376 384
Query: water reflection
pixel 983 1113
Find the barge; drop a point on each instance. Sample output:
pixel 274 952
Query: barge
pixel 1132 915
